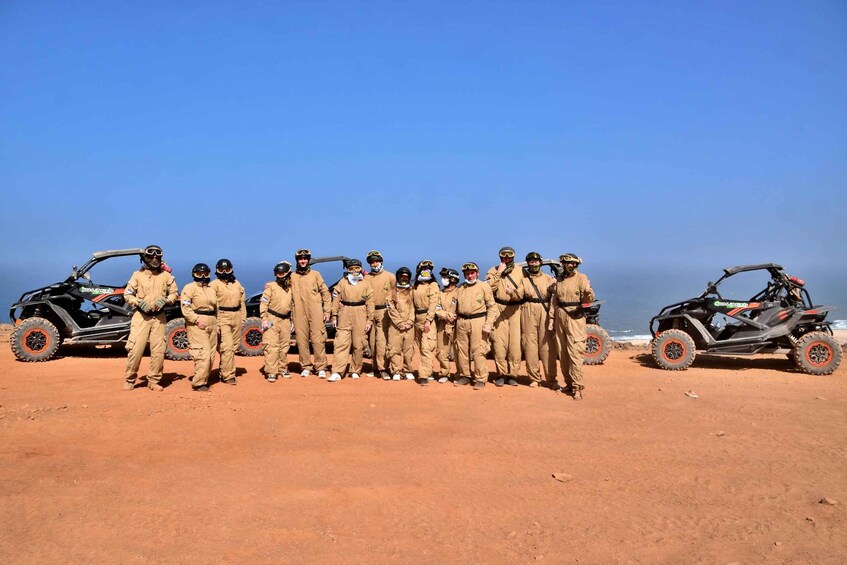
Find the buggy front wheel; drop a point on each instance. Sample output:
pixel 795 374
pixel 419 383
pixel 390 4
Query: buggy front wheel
pixel 673 350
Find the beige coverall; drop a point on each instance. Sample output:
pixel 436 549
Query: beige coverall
pixel 569 293
pixel 232 311
pixel 352 308
pixel 539 344
pixel 311 301
pixel 144 286
pixel 446 330
pixel 475 308
pixel 381 284
pixel 425 297
pixel 275 308
pixel 199 303
pixel 506 335
pixel 401 342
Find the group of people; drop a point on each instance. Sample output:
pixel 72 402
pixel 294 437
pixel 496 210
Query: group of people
pixel 516 312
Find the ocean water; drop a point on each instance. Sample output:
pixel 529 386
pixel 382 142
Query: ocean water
pixel 633 295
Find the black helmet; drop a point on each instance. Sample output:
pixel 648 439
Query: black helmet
pixel 450 274
pixel 282 268
pixel 405 272
pixel 533 255
pixel 200 273
pixel 223 270
pixel 373 256
pixel 152 257
pixel 354 263
pixel 570 258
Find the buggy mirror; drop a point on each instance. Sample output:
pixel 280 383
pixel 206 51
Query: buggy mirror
pixel 74 275
pixel 711 288
pixel 87 277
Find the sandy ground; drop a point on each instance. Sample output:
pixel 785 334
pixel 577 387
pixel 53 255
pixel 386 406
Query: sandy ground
pixel 303 471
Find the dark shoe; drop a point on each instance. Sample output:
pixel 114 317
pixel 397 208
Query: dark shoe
pixel 230 381
pixel 203 388
pixel 461 381
pixel 384 374
pixel 512 382
pixel 423 382
pixel 499 382
pixel 479 385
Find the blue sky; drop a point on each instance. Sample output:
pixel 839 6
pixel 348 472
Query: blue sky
pixel 706 133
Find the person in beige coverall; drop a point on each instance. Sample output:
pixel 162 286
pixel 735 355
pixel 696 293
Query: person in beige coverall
pixel 352 314
pixel 199 305
pixel 312 307
pixel 571 291
pixel 401 334
pixel 539 344
pixel 148 291
pixel 275 309
pixel 476 311
pixel 382 282
pixel 425 297
pixel 232 311
pixel 445 322
pixel 505 283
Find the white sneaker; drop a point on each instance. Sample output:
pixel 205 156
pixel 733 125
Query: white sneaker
pixel 286 375
pixel 410 377
pixel 321 374
pixel 369 374
pixel 442 380
pixel 430 378
pixel 395 378
pixel 305 373
pixel 334 377
pixel 354 376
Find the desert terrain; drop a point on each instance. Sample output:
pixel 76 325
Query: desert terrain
pixel 737 460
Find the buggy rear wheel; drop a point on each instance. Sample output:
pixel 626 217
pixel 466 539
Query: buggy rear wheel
pixel 35 339
pixel 817 353
pixel 251 338
pixel 673 350
pixel 597 345
pixel 176 341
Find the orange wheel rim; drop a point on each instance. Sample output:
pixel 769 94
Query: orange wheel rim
pixel 35 340
pixel 673 350
pixel 818 353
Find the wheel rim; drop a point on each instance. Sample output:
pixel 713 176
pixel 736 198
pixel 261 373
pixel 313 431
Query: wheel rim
pixel 818 353
pixel 673 350
pixel 592 346
pixel 36 340
pixel 253 338
pixel 179 340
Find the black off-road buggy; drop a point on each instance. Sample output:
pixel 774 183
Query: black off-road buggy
pixel 781 318
pixel 79 311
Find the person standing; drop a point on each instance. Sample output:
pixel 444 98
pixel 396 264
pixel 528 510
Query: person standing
pixel 199 305
pixel 505 282
pixel 445 322
pixel 232 311
pixel 275 309
pixel 539 344
pixel 381 282
pixel 571 291
pixel 401 335
pixel 425 296
pixel 148 291
pixel 312 308
pixel 476 311
pixel 352 313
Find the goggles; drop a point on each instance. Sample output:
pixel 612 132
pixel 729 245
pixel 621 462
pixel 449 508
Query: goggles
pixel 470 267
pixel 426 265
pixel 225 271
pixel 303 253
pixel 153 252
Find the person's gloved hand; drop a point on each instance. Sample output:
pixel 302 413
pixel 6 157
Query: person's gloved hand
pixel 143 306
pixel 265 325
pixel 160 304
